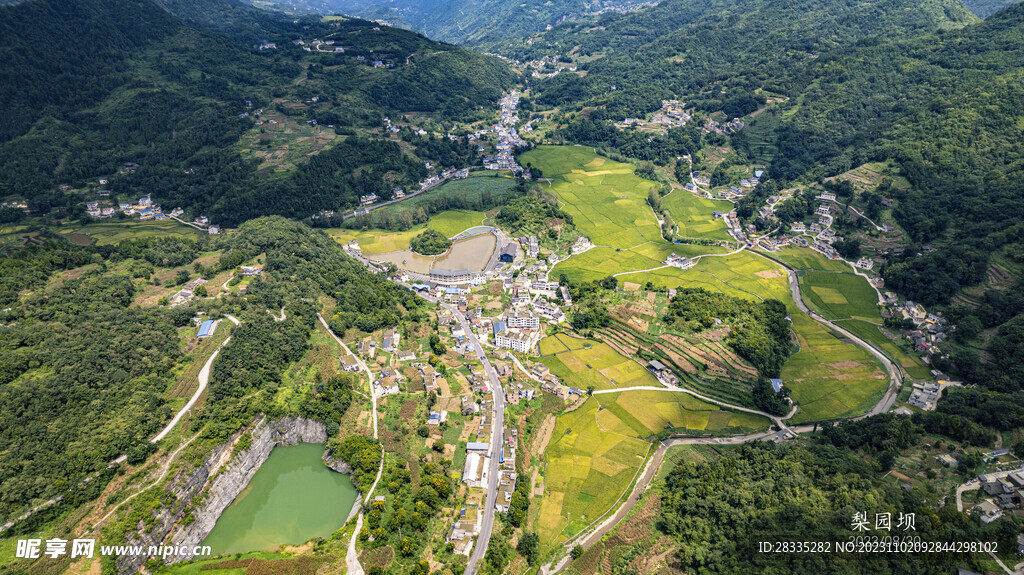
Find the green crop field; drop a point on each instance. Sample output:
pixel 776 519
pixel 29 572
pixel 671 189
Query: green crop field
pixel 596 452
pixel 472 188
pixel 829 377
pixel 606 199
pixel 591 461
pixel 840 295
pixel 806 258
pixel 870 332
pixel 372 242
pixel 741 274
pixel 599 365
pixel 694 217
pixel 113 231
pixel 655 411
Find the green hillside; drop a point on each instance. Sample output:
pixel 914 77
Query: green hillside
pixel 128 82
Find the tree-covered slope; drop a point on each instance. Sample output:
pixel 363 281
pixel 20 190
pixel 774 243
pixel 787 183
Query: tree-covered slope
pixel 700 50
pixel 985 8
pixel 469 21
pixel 122 81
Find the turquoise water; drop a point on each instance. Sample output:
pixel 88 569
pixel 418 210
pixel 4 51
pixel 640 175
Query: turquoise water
pixel 291 499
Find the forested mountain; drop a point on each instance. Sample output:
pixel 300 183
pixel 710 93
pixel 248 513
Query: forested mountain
pixel 709 51
pixel 469 21
pixel 925 85
pixel 984 8
pixel 124 81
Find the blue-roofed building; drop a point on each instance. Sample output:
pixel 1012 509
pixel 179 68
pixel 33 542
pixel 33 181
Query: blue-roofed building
pixel 498 326
pixel 420 287
pixel 451 291
pixel 776 384
pixel 716 215
pixel 207 328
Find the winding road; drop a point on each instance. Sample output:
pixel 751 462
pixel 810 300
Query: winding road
pixel 352 556
pixel 884 404
pixel 204 380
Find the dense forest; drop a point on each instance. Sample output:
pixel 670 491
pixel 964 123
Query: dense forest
pixel 83 372
pixel 708 53
pixel 719 510
pixel 175 98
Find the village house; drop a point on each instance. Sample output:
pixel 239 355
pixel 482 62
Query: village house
pixel 678 261
pixel 465 528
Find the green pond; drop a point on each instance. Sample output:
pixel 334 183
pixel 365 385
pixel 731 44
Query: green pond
pixel 291 499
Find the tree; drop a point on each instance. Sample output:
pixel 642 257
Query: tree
pixel 576 552
pixel 529 547
pixel 200 291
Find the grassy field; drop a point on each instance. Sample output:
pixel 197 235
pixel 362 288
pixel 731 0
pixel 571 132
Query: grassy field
pixel 599 365
pixel 113 231
pixel 840 295
pixel 829 377
pixel 596 452
pixel 806 258
pixel 471 188
pixel 372 242
pixel 606 199
pixel 693 215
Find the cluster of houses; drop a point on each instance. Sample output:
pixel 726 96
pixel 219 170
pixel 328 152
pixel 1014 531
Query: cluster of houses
pixel 929 329
pixel 581 245
pixel 186 294
pixel 508 137
pixel 1005 491
pixel 730 127
pixel 678 261
pixel 143 207
pixel 318 45
pixel 662 372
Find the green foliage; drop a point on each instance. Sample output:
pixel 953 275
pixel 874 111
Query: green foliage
pixel 430 243
pixel 153 90
pixel 529 547
pixel 520 503
pixel 360 452
pixel 528 214
pixel 798 494
pixel 82 374
pixel 760 330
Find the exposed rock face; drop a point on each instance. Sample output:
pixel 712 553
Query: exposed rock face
pixel 222 490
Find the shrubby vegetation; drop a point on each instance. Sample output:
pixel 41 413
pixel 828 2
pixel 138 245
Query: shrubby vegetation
pixel 430 243
pixel 360 452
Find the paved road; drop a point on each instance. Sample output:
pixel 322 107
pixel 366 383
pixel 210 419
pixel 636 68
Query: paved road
pixel 895 372
pixel 497 439
pixel 403 198
pixel 204 380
